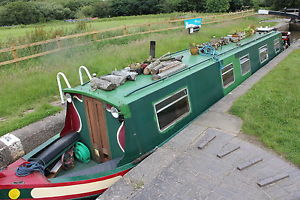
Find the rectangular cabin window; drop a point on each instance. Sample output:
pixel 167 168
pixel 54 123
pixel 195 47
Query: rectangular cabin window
pixel 277 45
pixel 172 109
pixel 263 53
pixel 227 75
pixel 245 64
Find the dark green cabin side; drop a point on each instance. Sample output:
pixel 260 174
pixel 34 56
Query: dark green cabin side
pixel 147 105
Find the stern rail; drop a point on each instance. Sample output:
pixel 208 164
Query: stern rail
pixel 60 74
pixel 80 74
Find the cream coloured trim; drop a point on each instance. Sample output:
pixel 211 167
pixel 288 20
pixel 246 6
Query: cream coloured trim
pixel 60 191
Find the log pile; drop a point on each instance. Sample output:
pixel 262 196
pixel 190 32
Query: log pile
pixel 164 66
pixel 157 67
pixel 112 81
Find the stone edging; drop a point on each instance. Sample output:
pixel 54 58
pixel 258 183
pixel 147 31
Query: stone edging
pixel 19 142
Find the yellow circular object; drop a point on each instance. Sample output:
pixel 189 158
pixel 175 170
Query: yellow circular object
pixel 14 194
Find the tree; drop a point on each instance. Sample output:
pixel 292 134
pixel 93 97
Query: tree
pixel 85 11
pixel 51 11
pixel 121 7
pixel 141 7
pixel 32 12
pixel 182 5
pixel 102 9
pixel 217 5
pixel 76 5
pixel 279 4
pixel 235 5
pixel 168 6
pixel 21 13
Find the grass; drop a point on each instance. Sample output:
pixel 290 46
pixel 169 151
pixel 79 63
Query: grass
pixel 27 34
pixel 31 84
pixel 271 109
pixel 40 112
pixel 22 32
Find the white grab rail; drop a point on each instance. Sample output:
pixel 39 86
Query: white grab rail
pixel 87 73
pixel 59 85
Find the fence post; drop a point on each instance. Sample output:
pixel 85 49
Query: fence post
pixel 125 31
pixel 58 42
pixel 95 36
pixel 14 52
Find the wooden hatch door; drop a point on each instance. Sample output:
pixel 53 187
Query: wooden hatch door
pixel 97 127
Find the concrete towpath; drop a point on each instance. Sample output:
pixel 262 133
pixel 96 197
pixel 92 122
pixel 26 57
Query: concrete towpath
pixel 180 170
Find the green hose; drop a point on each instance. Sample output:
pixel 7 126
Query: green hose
pixel 82 153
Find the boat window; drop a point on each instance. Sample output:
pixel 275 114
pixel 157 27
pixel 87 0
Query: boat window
pixel 263 53
pixel 172 109
pixel 227 75
pixel 277 45
pixel 245 64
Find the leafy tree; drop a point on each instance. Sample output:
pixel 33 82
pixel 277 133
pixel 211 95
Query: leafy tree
pixel 235 5
pixel 4 2
pixel 85 11
pixel 141 7
pixel 21 13
pixel 76 5
pixel 168 6
pixel 134 7
pixel 102 9
pixel 191 5
pixel 182 5
pixel 217 5
pixel 32 12
pixel 279 4
pixel 121 7
pixel 51 11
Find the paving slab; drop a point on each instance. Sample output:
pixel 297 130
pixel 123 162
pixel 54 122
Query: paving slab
pixel 220 120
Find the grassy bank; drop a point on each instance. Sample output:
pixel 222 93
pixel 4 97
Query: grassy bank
pixel 28 33
pixel 32 84
pixel 271 109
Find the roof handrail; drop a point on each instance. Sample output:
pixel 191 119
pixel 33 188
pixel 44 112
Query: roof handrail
pixel 59 85
pixel 80 74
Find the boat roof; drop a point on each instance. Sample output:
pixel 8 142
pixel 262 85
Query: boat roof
pixel 131 91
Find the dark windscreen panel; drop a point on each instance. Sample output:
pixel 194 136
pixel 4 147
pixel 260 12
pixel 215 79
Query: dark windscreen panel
pixel 172 109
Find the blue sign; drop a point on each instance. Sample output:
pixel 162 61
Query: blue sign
pixel 192 23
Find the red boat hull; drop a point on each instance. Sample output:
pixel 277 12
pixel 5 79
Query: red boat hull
pixel 36 186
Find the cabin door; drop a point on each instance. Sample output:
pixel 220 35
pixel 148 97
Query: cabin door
pixel 98 130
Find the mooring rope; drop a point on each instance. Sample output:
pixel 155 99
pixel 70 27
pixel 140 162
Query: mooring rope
pixel 210 50
pixel 29 167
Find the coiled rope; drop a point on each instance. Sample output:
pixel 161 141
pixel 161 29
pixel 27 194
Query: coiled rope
pixel 210 50
pixel 82 152
pixel 29 167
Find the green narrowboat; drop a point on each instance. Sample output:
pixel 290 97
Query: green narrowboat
pixel 119 128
